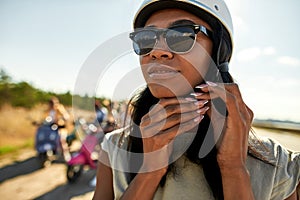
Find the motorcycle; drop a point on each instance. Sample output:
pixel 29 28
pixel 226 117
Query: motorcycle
pixel 47 142
pixel 87 155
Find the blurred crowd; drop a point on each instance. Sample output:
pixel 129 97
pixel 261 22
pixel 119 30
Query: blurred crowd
pixel 86 132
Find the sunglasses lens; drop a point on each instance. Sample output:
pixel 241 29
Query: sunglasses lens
pixel 143 42
pixel 180 39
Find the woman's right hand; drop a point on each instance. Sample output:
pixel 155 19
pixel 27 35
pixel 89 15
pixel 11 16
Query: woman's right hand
pixel 167 119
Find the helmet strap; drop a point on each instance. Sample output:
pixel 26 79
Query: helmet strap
pixel 222 67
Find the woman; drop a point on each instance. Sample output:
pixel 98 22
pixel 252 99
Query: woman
pixel 190 133
pixel 61 117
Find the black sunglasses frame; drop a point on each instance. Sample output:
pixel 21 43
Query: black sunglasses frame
pixel 163 32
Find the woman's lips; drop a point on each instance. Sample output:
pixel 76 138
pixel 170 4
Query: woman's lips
pixel 161 72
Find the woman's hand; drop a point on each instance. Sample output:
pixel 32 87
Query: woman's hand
pixel 233 143
pixel 167 119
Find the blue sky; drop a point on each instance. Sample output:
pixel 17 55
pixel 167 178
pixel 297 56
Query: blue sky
pixel 46 43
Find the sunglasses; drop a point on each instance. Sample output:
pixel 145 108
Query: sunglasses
pixel 180 39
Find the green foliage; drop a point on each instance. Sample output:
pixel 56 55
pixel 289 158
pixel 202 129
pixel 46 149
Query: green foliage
pixel 4 87
pixel 66 98
pixel 23 94
pixel 85 103
pixel 4 77
pixel 11 149
pixel 8 149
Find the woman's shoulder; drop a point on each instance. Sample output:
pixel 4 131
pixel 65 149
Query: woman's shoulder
pixel 114 135
pixel 116 139
pixel 270 150
pixel 275 169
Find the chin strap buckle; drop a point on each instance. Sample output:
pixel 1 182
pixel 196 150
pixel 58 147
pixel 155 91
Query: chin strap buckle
pixel 224 67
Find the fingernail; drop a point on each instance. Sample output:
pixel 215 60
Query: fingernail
pixel 199 118
pixel 203 109
pixel 201 86
pixel 190 99
pixel 196 94
pixel 198 103
pixel 211 83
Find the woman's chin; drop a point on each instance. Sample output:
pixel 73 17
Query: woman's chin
pixel 162 92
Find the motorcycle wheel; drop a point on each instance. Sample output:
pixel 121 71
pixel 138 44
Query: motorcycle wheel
pixel 43 158
pixel 73 172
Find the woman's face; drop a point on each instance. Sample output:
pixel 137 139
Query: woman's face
pixel 173 75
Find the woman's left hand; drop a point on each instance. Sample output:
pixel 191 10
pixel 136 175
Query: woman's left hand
pixel 233 143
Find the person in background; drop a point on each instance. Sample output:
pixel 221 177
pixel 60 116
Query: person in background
pixel 57 111
pixel 100 113
pixel 61 117
pixel 189 137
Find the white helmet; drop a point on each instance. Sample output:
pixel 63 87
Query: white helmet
pixel 216 9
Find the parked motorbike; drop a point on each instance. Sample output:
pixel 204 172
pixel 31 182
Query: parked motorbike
pixel 47 141
pixel 87 156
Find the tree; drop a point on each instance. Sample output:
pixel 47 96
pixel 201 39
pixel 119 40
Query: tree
pixel 24 95
pixel 4 77
pixel 4 87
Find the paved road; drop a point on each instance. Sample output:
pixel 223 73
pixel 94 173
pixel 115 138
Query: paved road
pixel 25 180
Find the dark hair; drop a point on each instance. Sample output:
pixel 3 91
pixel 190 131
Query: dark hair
pixel 141 106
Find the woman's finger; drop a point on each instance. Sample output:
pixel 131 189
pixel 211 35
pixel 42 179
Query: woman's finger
pixel 169 134
pixel 162 111
pixel 150 129
pixel 229 93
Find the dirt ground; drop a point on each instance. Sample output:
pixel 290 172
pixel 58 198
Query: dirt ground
pixel 22 178
pixel 20 174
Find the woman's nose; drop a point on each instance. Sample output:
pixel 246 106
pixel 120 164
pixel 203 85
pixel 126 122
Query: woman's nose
pixel 161 50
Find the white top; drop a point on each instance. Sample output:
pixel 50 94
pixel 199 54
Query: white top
pixel 275 181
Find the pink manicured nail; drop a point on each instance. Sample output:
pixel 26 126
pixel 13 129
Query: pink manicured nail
pixel 190 99
pixel 201 102
pixel 211 84
pixel 199 118
pixel 201 86
pixel 196 94
pixel 202 110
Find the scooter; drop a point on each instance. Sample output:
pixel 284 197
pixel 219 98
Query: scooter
pixel 87 156
pixel 47 142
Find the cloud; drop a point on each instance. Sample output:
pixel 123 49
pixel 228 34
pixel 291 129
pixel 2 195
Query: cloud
pixel 248 54
pixel 287 60
pixel 253 53
pixel 269 51
pixel 239 22
pixel 284 83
